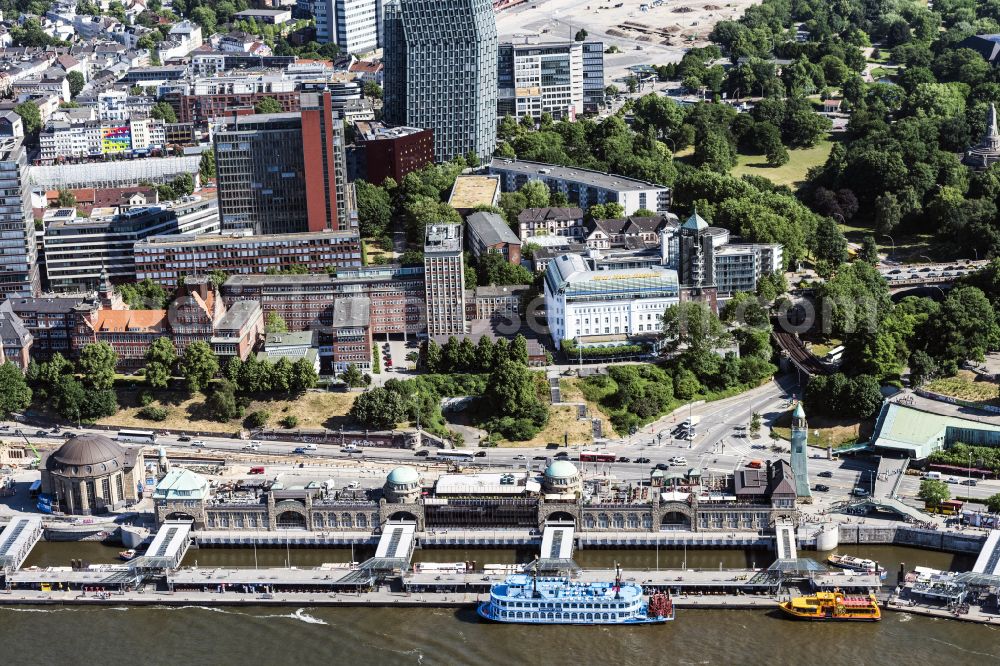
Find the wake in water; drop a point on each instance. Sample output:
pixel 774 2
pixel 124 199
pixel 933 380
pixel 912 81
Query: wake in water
pixel 299 614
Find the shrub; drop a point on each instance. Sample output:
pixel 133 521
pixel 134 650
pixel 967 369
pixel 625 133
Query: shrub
pixel 153 413
pixel 257 419
pixel 145 398
pixel 290 421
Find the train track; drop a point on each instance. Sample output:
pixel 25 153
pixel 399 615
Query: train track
pixel 798 354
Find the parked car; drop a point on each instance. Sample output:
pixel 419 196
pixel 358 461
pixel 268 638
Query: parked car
pixel 860 492
pixel 423 453
pixel 624 459
pixel 819 487
pixel 826 474
pixel 970 482
pixel 642 460
pixel 197 442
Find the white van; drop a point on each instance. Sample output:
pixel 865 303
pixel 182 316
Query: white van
pixel 931 475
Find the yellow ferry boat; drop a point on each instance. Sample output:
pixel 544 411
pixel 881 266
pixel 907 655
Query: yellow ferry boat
pixel 835 606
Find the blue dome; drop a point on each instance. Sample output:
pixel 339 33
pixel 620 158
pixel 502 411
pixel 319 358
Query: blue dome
pixel 561 469
pixel 403 476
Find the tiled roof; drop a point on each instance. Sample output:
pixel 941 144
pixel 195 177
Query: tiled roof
pixel 145 321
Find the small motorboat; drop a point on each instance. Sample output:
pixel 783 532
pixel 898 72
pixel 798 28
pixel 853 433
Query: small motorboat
pixel 858 564
pixel 127 554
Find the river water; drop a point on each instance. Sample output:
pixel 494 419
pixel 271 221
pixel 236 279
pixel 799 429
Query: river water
pixel 245 636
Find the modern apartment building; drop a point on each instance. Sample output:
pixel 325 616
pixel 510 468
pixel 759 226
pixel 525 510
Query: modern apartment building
pixel 283 172
pixel 444 279
pixel 441 72
pixel 166 260
pixel 18 250
pixel 540 78
pixel 583 187
pixel 79 249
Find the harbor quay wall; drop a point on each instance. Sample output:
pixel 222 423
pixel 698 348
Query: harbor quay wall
pixel 952 542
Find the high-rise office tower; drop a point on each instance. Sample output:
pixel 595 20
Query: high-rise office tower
pixel 441 72
pixel 541 78
pixel 444 279
pixel 19 253
pixel 353 25
pixel 284 172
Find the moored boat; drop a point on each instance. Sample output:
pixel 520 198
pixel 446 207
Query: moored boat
pixel 834 606
pixel 531 599
pixel 127 554
pixel 859 564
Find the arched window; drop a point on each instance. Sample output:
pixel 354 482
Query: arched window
pixel 618 520
pixel 332 520
pixel 318 521
pixel 633 521
pixel 362 520
pixel 347 521
pixel 602 521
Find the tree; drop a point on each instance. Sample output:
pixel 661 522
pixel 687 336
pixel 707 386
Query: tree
pixel 76 83
pixel 494 269
pixel 66 199
pixel 755 423
pixel 378 408
pixel 14 392
pixel 206 167
pixel 199 365
pixel 510 390
pixel 221 402
pixel 829 243
pixel 865 396
pixel 163 111
pixel 715 152
pixel 993 503
pixel 30 116
pixel 144 295
pixel 275 323
pixel 580 36
pixel 374 209
pixel 934 492
pixel 97 365
pixel 692 324
pixel 304 376
pixel 160 359
pixel 606 211
pixel 267 105
pixel 869 250
pixel 776 155
pixel 372 89
pixel 257 419
pixel 352 376
pixel 536 194
pixel 206 18
pixel 69 398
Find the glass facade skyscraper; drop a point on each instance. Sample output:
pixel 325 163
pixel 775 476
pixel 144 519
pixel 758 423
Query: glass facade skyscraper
pixel 18 250
pixel 441 72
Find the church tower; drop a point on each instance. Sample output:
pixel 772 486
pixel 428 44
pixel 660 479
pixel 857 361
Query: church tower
pixel 800 454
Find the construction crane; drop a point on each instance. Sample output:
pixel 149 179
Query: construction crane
pixel 37 462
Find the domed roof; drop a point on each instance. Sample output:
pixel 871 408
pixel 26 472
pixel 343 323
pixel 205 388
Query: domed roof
pixel 560 469
pixel 403 476
pixel 89 455
pixel 88 450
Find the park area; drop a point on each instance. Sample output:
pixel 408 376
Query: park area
pixel 800 160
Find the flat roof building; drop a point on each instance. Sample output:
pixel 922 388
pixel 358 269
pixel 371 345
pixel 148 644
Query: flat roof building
pixel 392 152
pixel 469 192
pixel 19 261
pixel 168 259
pixel 583 187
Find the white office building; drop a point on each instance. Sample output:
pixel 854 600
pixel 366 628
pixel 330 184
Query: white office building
pixel 582 302
pixel 541 78
pixel 353 25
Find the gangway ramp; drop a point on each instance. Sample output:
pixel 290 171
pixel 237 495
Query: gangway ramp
pixel 17 540
pixel 169 546
pixel 397 540
pixel 785 537
pixel 988 561
pixel 557 541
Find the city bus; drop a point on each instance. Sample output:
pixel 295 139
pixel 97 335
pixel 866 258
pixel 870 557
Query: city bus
pixel 596 456
pixel 137 436
pixel 453 454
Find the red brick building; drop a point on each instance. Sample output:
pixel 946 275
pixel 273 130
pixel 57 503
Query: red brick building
pixel 203 108
pixel 392 152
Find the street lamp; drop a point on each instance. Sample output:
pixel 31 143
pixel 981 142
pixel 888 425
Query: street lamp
pixel 893 244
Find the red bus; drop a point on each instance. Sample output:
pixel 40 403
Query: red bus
pixel 596 456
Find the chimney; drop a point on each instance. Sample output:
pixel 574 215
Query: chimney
pixel 770 474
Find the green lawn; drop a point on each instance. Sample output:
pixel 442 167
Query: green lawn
pixel 800 161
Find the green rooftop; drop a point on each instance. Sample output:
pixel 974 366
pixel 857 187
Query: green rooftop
pixel 921 433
